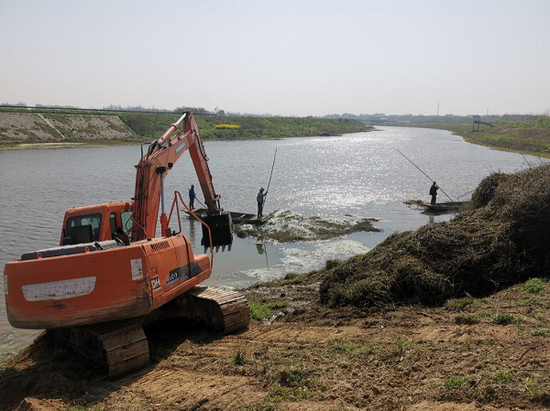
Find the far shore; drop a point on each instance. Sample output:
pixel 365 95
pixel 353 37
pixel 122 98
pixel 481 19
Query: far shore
pixel 105 143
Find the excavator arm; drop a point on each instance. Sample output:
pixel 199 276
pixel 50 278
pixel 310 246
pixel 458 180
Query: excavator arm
pixel 152 170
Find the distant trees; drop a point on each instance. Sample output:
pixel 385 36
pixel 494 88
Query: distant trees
pixel 195 110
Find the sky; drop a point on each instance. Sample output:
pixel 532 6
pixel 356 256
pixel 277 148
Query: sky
pixel 280 57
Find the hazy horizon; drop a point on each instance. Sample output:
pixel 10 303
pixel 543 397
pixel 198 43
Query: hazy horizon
pixel 285 58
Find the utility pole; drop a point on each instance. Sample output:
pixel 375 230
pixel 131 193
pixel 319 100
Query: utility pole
pixel 438 108
pixel 487 111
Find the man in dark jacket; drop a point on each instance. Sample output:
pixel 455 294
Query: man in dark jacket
pixel 433 192
pixel 192 197
pixel 260 198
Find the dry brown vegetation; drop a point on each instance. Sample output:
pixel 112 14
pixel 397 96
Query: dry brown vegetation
pixel 503 239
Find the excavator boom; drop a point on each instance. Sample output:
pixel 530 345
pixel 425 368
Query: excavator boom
pixel 153 169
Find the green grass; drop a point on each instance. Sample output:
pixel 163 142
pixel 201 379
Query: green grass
pixel 239 357
pixel 401 346
pixel 350 349
pixel 153 125
pixel 455 383
pixel 541 332
pixel 502 377
pixel 469 300
pixel 507 318
pixel 259 311
pixel 536 389
pixel 524 302
pixel 467 318
pixel 277 305
pixel 534 286
pixel 287 394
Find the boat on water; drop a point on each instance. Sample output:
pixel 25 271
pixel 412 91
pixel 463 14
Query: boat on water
pixel 236 217
pixel 446 207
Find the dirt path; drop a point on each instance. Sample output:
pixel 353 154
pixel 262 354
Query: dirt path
pixel 48 122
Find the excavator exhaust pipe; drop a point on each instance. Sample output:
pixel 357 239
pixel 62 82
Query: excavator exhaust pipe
pixel 221 227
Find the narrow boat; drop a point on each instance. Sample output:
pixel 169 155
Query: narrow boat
pixel 236 217
pixel 447 207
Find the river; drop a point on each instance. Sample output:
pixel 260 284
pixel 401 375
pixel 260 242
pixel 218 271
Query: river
pixel 358 174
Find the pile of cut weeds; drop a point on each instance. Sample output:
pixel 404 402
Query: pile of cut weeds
pixel 502 239
pixel 285 226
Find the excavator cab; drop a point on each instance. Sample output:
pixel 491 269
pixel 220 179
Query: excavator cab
pixel 221 229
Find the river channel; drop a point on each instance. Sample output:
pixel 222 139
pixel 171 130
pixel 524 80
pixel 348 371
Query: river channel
pixel 358 174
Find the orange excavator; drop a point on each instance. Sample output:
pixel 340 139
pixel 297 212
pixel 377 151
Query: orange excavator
pixel 111 274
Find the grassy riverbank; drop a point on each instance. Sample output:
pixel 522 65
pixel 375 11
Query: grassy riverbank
pixel 68 126
pixel 151 125
pixel 524 136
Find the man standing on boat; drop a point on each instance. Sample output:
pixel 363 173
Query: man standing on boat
pixel 433 192
pixel 260 198
pixel 192 197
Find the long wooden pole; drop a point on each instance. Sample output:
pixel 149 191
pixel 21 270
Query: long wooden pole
pixel 431 179
pixel 271 174
pixel 272 167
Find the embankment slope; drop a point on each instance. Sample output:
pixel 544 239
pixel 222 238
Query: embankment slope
pixel 528 136
pixel 53 126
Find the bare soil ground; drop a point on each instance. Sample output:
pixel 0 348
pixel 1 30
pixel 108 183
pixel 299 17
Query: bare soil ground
pixel 470 354
pixel 26 128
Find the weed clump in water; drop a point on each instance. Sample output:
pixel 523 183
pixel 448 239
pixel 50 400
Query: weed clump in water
pixel 502 239
pixel 285 226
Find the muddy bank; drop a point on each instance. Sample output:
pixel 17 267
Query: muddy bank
pixel 285 226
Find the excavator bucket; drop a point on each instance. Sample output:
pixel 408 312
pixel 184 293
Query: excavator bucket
pixel 221 227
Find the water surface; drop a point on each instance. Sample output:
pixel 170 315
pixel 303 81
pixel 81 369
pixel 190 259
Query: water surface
pixel 358 174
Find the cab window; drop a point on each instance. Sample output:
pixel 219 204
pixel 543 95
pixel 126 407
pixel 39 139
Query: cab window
pixel 126 219
pixel 93 219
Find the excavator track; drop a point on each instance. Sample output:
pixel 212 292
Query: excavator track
pixel 220 310
pixel 120 347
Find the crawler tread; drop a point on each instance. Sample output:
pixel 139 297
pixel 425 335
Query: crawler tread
pixel 221 310
pixel 119 347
